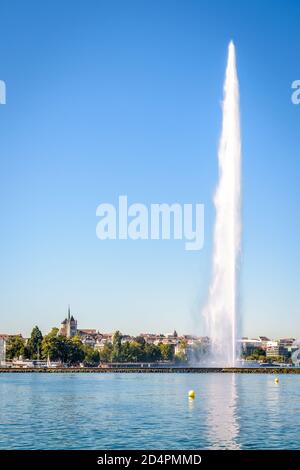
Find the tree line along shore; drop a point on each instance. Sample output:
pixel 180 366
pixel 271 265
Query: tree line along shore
pixel 70 351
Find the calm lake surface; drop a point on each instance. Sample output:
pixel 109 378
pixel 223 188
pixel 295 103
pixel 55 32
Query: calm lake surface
pixel 149 411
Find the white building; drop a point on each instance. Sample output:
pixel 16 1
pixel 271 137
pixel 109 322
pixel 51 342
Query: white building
pixel 88 341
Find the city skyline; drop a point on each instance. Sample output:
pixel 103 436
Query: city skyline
pixel 71 317
pixel 126 100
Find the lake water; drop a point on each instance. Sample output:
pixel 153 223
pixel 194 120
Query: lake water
pixel 149 411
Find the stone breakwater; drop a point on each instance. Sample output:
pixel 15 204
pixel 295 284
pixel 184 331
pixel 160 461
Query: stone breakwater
pixel 155 370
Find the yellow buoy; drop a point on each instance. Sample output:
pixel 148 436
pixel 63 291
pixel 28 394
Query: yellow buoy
pixel 276 380
pixel 192 394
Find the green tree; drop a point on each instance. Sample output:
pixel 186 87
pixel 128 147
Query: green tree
pixel 258 352
pixel 74 350
pixel 54 332
pixel 126 355
pixel 152 353
pixel 167 351
pixel 106 353
pixel 15 347
pixel 91 356
pixel 133 351
pixel 35 342
pixel 117 347
pixel 181 355
pixel 54 346
pixel 60 348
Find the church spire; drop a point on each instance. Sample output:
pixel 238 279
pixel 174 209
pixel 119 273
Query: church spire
pixel 69 312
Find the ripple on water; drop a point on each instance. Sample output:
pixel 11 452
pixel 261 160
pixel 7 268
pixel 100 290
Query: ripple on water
pixel 149 411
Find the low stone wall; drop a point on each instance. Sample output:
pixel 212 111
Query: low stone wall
pixel 156 370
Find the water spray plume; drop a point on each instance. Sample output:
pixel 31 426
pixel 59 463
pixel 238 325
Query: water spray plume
pixel 221 309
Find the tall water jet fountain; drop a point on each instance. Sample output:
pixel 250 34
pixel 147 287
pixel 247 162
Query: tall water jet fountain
pixel 221 309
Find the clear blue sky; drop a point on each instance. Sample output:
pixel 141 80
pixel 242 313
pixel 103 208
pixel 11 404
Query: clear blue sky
pixel 123 97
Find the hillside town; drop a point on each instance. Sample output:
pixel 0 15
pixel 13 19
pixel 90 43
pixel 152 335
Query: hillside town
pixel 68 345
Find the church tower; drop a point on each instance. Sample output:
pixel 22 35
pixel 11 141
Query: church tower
pixel 69 326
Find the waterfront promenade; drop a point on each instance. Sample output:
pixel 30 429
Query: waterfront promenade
pixel 154 370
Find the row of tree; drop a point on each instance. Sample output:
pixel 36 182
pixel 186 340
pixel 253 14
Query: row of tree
pixel 135 351
pixel 52 346
pixel 71 350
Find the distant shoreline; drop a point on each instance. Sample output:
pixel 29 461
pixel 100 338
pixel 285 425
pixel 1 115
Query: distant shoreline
pixel 156 370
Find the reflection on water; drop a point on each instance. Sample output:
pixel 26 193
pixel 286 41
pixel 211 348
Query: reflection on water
pixel 223 426
pixel 149 411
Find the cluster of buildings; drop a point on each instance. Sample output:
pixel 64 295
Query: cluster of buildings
pixel 97 340
pixel 284 347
